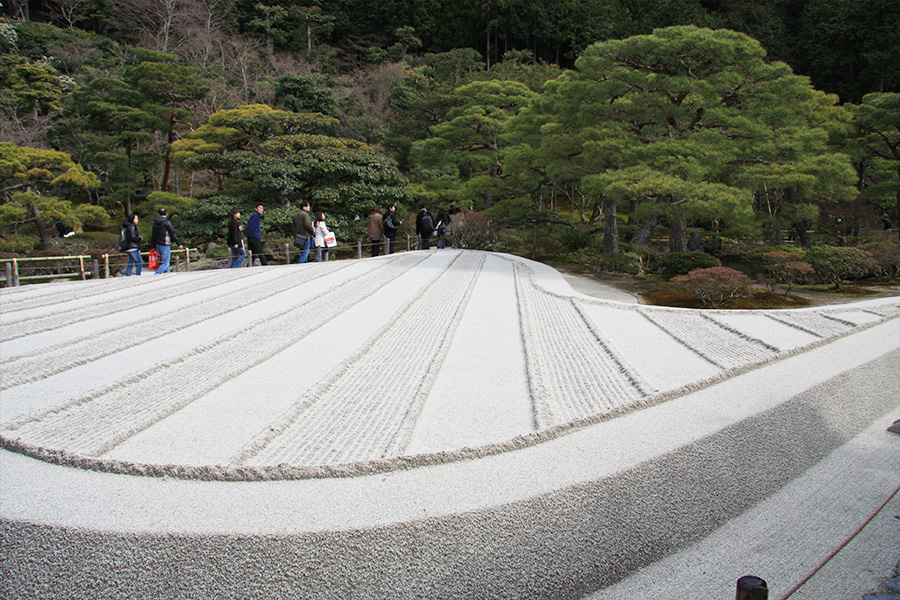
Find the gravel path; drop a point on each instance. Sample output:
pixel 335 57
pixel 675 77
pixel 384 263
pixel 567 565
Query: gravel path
pixel 432 424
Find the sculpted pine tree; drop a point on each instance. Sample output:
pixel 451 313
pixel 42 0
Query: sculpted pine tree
pixel 463 158
pixel 876 143
pixel 28 176
pixel 687 124
pixel 275 157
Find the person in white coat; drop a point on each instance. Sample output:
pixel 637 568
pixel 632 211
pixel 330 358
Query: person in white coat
pixel 321 231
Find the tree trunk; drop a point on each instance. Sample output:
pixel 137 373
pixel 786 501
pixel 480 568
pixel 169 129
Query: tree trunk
pixel 802 234
pixel 643 235
pixel 610 226
pixel 42 229
pixel 168 168
pixel 678 233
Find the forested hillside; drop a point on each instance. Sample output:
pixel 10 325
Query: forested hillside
pixel 591 126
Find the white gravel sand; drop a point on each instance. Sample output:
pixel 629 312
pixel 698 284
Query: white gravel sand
pixel 431 424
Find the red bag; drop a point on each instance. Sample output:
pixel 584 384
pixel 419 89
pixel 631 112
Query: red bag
pixel 153 261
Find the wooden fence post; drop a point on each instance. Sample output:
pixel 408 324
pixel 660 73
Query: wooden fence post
pixel 287 252
pixel 81 267
pixel 9 275
pixel 15 280
pixel 358 248
pixel 95 270
pixel 750 587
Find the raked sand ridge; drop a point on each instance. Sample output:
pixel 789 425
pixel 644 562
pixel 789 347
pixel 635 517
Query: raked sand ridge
pixel 430 424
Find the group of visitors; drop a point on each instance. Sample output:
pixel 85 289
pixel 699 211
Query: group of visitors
pixel 162 238
pixel 427 226
pixel 383 227
pixel 309 234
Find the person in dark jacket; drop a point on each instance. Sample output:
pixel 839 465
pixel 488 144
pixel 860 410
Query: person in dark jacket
pixel 424 227
pixel 235 239
pixel 162 237
pixel 302 225
pixel 133 245
pixel 254 235
pixel 390 224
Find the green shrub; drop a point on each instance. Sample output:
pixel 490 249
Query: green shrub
pixel 574 239
pixel 20 244
pixel 834 264
pixel 716 286
pixel 621 262
pixel 216 251
pixel 92 217
pixel 680 263
pixel 93 239
pixel 887 255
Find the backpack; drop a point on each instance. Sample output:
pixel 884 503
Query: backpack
pixel 123 241
pixel 388 222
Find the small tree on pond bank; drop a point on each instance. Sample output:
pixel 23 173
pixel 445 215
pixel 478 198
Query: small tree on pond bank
pixel 715 286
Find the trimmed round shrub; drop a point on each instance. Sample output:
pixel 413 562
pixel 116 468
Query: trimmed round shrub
pixel 680 263
pixel 834 264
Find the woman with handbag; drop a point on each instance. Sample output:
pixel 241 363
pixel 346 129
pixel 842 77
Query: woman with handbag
pixel 321 232
pixel 235 239
pixel 132 245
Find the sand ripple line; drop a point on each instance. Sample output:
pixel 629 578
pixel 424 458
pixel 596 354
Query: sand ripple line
pixel 818 324
pixel 721 345
pixel 366 408
pixel 101 420
pixel 571 373
pixel 9 303
pixel 99 344
pixel 29 326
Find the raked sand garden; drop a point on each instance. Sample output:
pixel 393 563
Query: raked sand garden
pixel 439 424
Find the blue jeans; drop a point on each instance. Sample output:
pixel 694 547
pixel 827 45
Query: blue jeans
pixel 134 260
pixel 165 256
pixel 237 257
pixel 304 256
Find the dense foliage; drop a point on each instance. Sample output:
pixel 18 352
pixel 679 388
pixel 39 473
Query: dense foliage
pixel 682 124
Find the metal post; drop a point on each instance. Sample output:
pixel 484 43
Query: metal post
pixel 750 587
pixel 359 248
pixel 287 252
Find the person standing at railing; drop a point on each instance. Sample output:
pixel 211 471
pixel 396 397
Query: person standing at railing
pixel 254 235
pixel 162 237
pixel 321 232
pixel 390 224
pixel 376 230
pixel 236 239
pixel 132 245
pixel 424 227
pixel 303 231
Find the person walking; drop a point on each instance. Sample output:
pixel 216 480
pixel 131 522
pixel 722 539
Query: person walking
pixel 162 237
pixel 302 226
pixel 254 236
pixel 390 224
pixel 132 245
pixel 424 227
pixel 321 231
pixel 236 239
pixel 376 230
pixel 443 223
